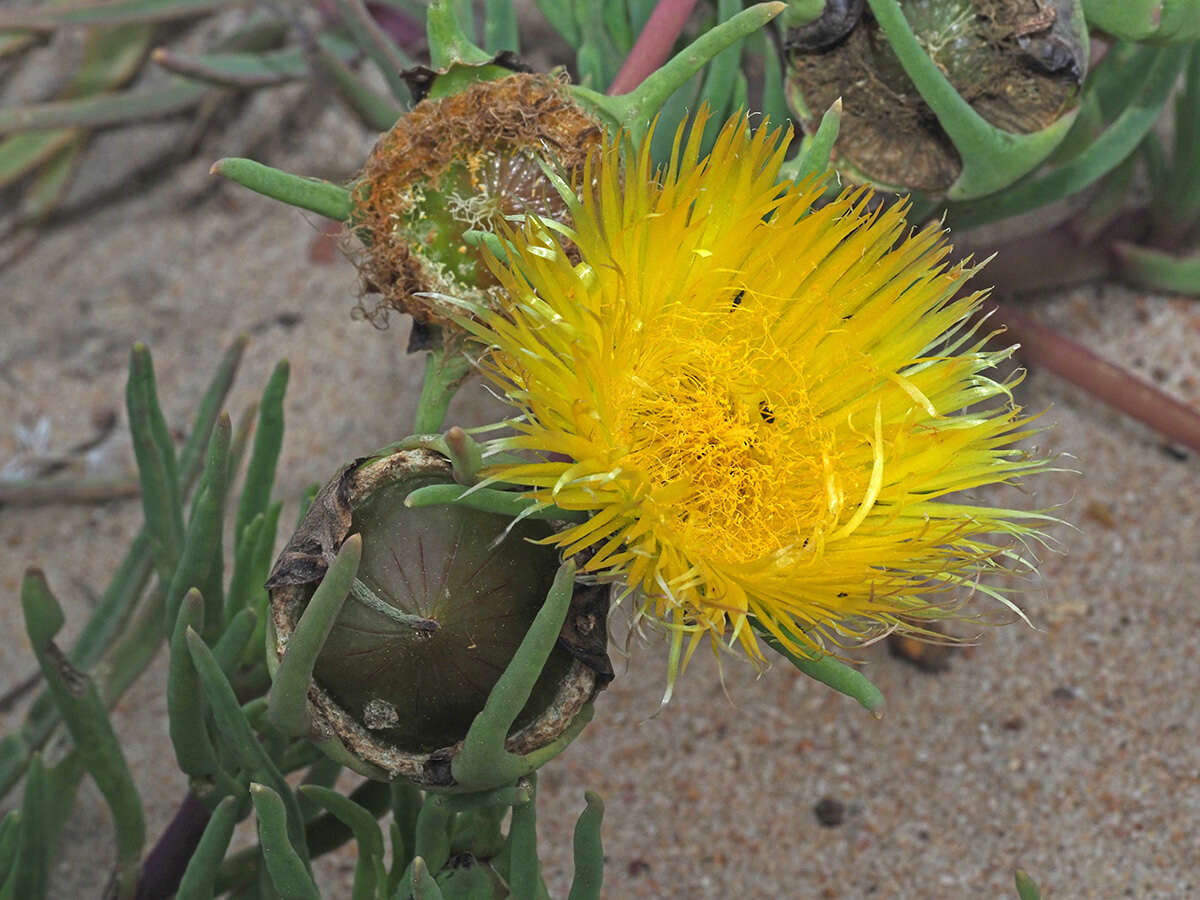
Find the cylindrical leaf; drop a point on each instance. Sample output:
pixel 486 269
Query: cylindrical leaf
pixel 87 720
pixel 589 851
pixel 260 474
pixel 288 871
pixel 289 692
pixel 200 876
pixel 185 701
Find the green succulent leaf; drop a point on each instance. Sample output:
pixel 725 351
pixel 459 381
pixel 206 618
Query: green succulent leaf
pixel 500 26
pixel 598 57
pixel 375 111
pixel 200 877
pixel 288 870
pixel 104 110
pixel 20 154
pixel 14 42
pixel 260 473
pixel 524 867
pixel 449 45
pixel 506 503
pixel 484 763
pixel 720 85
pixel 185 701
pixel 238 736
pixel 588 880
pixel 30 866
pixel 774 101
pixel 445 373
pixel 288 697
pixel 157 468
pixel 1027 889
pixel 432 833
pixel 244 581
pixel 832 672
pixel 200 561
pixel 635 111
pixel 813 158
pixel 369 873
pixel 10 841
pixel 423 885
pixel 51 16
pixel 1158 270
pixel 86 718
pixel 251 70
pixel 231 646
pixel 387 57
pixel 561 16
pixel 1154 21
pixel 312 194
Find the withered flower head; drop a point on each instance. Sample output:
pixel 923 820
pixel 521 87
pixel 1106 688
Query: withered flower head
pixel 462 163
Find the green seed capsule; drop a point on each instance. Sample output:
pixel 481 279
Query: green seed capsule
pixel 442 598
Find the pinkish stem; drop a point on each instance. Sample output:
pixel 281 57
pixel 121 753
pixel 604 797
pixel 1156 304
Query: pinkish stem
pixel 653 45
pixel 1117 387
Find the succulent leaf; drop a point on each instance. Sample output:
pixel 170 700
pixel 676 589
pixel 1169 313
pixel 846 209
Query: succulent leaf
pixel 1152 21
pixel 288 696
pixel 813 158
pixel 288 870
pixel 239 736
pixel 1158 270
pixel 194 751
pixel 200 876
pixel 1027 888
pixel 369 873
pixel 588 880
pixel 157 468
pixel 86 718
pixel 832 672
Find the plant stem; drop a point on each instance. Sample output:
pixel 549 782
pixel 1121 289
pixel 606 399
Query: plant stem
pixel 653 45
pixel 444 375
pixel 164 865
pixel 1117 387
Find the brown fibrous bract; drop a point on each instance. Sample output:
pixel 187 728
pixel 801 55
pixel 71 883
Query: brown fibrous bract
pixel 468 161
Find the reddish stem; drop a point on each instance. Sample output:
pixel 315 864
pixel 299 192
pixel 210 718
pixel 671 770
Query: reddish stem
pixel 653 45
pixel 163 868
pixel 1117 387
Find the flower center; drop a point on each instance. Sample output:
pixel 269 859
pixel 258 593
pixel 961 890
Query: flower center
pixel 735 454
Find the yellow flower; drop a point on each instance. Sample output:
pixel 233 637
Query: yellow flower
pixel 768 408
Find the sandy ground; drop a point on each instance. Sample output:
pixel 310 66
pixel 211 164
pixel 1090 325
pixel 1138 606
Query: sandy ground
pixel 1070 750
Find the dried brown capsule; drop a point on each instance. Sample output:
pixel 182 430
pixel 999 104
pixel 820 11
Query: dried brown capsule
pixel 1018 63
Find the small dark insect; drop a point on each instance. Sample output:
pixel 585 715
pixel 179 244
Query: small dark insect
pixel 737 300
pixel 765 411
